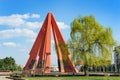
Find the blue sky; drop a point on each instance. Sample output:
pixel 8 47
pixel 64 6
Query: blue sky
pixel 20 21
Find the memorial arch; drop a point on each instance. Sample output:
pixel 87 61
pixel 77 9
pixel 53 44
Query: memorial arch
pixel 40 55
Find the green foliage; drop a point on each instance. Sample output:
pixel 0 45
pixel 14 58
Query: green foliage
pixel 117 49
pixel 8 63
pixel 91 43
pixel 63 48
pixel 16 75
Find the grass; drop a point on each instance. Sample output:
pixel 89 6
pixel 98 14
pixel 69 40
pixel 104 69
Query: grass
pixel 74 78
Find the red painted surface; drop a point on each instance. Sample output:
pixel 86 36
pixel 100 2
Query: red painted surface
pixel 42 49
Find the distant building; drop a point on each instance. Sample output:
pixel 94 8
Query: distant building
pixel 54 69
pixel 117 58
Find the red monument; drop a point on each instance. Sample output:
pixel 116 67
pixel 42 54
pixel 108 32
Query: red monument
pixel 40 54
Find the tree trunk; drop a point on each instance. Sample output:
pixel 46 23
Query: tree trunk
pixel 86 70
pixel 103 69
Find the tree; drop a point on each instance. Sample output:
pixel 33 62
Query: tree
pixel 91 42
pixel 8 63
pixel 1 64
pixel 117 51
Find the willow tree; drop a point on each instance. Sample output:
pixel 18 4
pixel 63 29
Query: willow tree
pixel 91 42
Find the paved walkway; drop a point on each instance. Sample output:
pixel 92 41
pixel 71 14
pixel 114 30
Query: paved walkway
pixel 4 78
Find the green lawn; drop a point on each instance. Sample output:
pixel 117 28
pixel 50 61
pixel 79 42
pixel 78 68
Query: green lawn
pixel 74 78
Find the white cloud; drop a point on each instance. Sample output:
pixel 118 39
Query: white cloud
pixel 33 25
pixel 21 20
pixel 22 26
pixel 23 50
pixel 0 45
pixel 24 16
pixel 11 21
pixel 16 33
pixel 9 44
pixel 35 16
pixel 17 20
pixel 62 25
pixel 31 40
